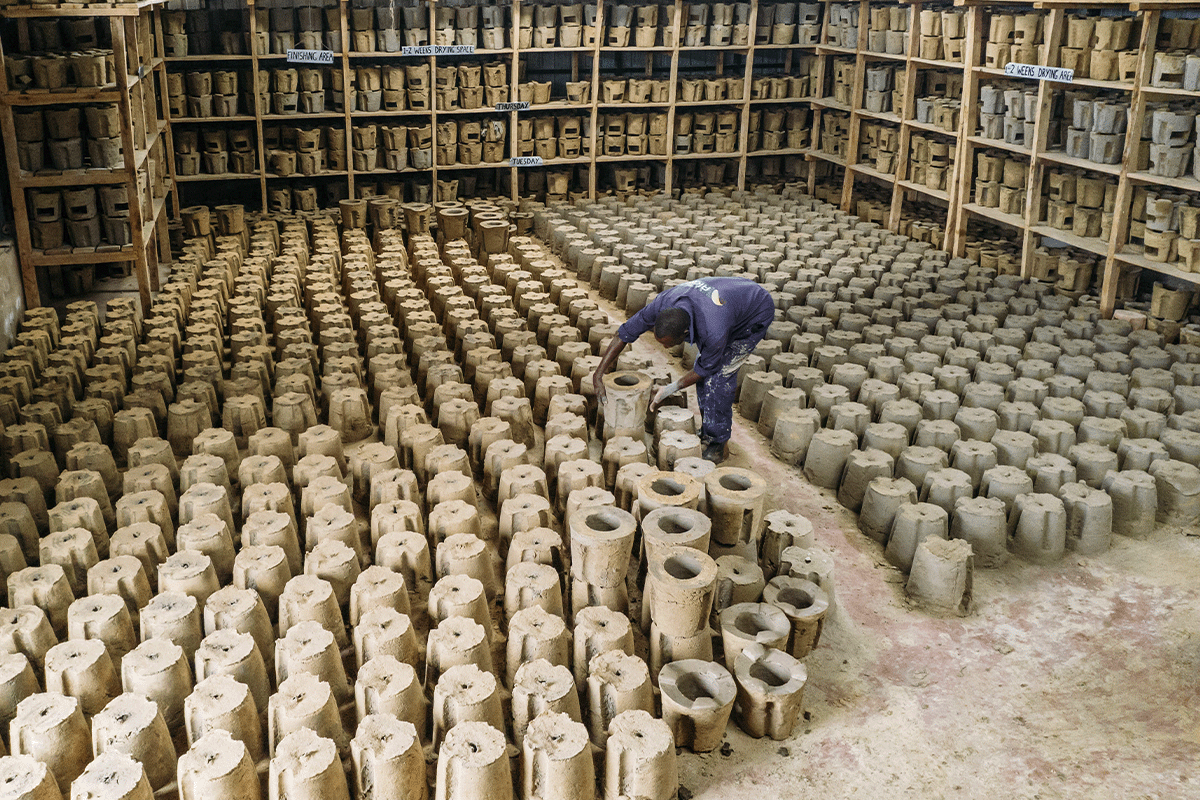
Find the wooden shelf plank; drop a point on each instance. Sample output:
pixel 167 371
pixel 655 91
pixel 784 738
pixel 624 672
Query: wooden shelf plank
pixel 791 151
pixel 405 171
pixel 341 173
pixel 871 172
pixel 995 215
pixel 1128 256
pixel 480 110
pixel 191 59
pixel 228 176
pixel 926 127
pixel 920 188
pixel 999 144
pixel 72 177
pixel 823 156
pixel 884 116
pixel 1088 243
pixel 630 49
pixel 698 156
pixel 937 63
pixel 302 117
pixel 786 46
pixel 546 50
pixel 485 165
pixel 92 10
pixel 830 103
pixel 1186 183
pixel 72 257
pixel 875 54
pixel 1163 91
pixel 1059 157
pixel 211 120
pixel 781 101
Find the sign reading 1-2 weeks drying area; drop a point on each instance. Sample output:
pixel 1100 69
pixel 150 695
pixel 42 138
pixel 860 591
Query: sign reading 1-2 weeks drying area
pixel 438 50
pixel 310 56
pixel 1039 73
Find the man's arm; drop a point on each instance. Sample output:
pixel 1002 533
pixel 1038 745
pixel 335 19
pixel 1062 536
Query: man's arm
pixel 689 378
pixel 606 363
pixel 712 351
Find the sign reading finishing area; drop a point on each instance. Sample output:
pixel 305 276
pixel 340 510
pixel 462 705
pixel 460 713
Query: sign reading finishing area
pixel 310 56
pixel 1039 73
pixel 438 50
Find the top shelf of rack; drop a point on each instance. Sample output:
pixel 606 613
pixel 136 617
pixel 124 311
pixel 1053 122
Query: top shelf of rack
pixel 79 9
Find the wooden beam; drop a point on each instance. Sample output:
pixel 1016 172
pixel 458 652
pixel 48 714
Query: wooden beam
pixel 1037 167
pixel 906 115
pixel 965 155
pixel 1122 210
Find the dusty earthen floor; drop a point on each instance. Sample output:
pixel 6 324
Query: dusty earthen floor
pixel 1076 680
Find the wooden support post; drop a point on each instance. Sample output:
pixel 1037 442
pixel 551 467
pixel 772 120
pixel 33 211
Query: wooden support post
pixel 672 98
pixel 1122 211
pixel 29 279
pixel 164 108
pixel 964 166
pixel 259 111
pixel 1037 166
pixel 906 114
pixel 347 100
pixel 856 101
pixel 744 131
pixel 514 70
pixel 136 212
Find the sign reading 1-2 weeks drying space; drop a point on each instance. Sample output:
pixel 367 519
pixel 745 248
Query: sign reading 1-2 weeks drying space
pixel 438 50
pixel 310 56
pixel 1039 73
pixel 522 105
pixel 525 161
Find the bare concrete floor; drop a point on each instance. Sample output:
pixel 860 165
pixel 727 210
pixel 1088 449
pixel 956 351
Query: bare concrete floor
pixel 1077 680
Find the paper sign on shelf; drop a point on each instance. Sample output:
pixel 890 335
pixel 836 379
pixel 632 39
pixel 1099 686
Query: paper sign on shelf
pixel 1039 73
pixel 438 50
pixel 522 105
pixel 310 56
pixel 525 161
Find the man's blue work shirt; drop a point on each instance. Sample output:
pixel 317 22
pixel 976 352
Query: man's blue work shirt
pixel 721 310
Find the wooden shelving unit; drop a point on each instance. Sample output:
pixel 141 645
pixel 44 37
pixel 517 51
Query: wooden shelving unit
pixel 585 62
pixel 1112 252
pixel 901 120
pixel 147 170
pixel 1115 253
pixel 842 176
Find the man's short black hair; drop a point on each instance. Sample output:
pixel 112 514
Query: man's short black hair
pixel 672 323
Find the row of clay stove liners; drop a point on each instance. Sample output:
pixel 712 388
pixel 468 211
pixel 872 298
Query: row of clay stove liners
pixel 964 414
pixel 447 570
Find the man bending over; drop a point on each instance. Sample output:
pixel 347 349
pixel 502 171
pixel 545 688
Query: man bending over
pixel 725 318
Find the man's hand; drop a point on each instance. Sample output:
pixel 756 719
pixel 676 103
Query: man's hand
pixel 663 394
pixel 606 363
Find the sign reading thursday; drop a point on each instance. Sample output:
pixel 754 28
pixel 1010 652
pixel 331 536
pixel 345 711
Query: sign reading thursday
pixel 438 50
pixel 522 105
pixel 310 56
pixel 1039 73
pixel 525 161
